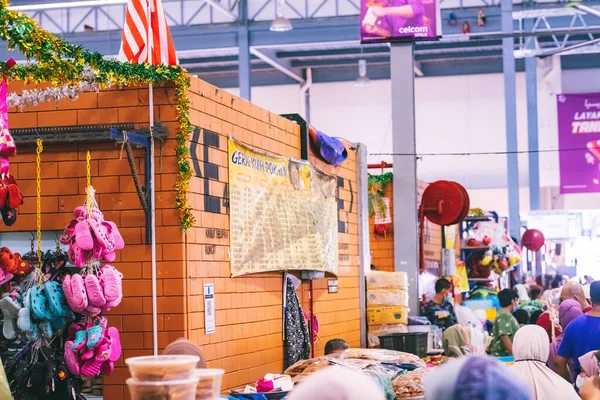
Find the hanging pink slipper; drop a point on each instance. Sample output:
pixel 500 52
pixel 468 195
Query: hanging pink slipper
pixel 80 213
pixel 79 299
pixel 107 368
pixel 101 232
pixel 71 359
pixel 109 256
pixel 114 235
pixel 94 291
pixel 83 236
pixel 115 343
pixel 92 367
pixel 77 256
pixel 68 233
pixel 111 281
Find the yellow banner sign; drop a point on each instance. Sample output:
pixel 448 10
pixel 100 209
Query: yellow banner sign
pixel 283 214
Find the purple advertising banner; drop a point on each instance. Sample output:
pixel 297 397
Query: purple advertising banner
pixel 398 20
pixel 579 142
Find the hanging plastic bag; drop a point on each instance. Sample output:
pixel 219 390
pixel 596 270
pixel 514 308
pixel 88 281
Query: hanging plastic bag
pixel 7 144
pixel 4 388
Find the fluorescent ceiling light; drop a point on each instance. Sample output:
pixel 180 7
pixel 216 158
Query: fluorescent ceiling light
pixel 362 79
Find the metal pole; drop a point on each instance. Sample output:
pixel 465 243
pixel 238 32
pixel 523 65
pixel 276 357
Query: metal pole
pixel 406 250
pixel 532 132
pixel 245 67
pixel 363 237
pixel 151 192
pixel 510 105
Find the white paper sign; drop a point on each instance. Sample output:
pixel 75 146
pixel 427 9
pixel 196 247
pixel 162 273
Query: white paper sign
pixel 209 308
pixel 383 219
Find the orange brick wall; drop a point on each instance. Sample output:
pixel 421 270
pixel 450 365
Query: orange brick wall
pixel 248 341
pixel 63 188
pixel 382 247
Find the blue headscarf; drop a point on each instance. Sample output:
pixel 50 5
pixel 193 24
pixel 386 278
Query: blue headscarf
pixel 475 378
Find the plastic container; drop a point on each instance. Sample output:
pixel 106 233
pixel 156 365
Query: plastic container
pixel 411 342
pixel 183 389
pixel 162 368
pixel 209 383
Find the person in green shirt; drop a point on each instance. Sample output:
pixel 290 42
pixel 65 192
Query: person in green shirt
pixel 505 325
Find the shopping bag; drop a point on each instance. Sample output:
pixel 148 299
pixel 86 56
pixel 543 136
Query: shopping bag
pixel 7 144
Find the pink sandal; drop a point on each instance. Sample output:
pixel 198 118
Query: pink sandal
pixel 93 366
pixel 77 256
pixel 111 281
pixel 94 291
pixel 83 237
pixel 78 300
pixel 71 359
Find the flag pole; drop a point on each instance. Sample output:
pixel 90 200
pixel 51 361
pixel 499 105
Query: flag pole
pixel 149 50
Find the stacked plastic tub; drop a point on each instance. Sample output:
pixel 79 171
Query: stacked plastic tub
pixel 172 377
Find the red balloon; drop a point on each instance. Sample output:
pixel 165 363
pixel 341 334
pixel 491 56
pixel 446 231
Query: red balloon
pixel 533 239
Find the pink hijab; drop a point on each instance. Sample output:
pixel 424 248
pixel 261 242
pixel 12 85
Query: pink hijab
pixel 567 312
pixel 589 363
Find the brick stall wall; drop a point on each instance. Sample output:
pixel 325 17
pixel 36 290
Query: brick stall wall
pixel 382 247
pixel 248 339
pixel 63 188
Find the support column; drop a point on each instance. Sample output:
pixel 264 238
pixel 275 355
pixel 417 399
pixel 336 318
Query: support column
pixel 364 249
pixel 510 105
pixel 245 68
pixel 406 251
pixel 532 132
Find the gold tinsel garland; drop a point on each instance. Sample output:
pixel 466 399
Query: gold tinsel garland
pixel 62 63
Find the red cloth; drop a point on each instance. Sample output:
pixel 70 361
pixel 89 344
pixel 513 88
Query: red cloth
pixel 545 322
pixel 587 309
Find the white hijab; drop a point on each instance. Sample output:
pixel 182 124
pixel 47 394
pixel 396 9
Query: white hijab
pixel 337 383
pixel 531 347
pixel 522 291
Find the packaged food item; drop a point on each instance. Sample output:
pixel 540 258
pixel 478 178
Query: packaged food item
pixel 383 355
pixel 209 383
pixel 162 368
pixel 387 315
pixel 272 382
pixel 410 385
pixel 184 389
pixel 308 366
pixel 386 280
pixel 387 297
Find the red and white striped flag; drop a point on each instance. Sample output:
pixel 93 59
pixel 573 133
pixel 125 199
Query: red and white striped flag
pixel 134 46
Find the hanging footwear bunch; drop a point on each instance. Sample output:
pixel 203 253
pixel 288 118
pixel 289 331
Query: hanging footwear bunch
pixel 92 346
pixel 10 194
pixel 53 307
pixel 35 314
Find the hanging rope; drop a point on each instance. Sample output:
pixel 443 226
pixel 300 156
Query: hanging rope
pixel 88 189
pixel 38 170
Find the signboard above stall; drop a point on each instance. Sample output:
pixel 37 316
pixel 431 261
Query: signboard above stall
pixel 399 21
pixel 579 142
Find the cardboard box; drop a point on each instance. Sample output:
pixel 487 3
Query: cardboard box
pixel 387 315
pixel 386 280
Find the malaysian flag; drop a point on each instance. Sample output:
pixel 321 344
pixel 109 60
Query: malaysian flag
pixel 134 46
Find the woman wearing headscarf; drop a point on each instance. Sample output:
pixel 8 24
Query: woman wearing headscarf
pixel 335 383
pixel 589 367
pixel 530 349
pixel 567 312
pixel 474 377
pixel 456 341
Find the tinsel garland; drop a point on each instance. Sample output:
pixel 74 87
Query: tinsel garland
pixel 61 63
pixel 376 185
